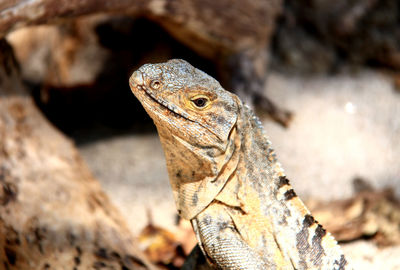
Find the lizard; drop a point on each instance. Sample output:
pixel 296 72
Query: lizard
pixel 225 176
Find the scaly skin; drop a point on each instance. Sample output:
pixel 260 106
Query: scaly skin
pixel 225 176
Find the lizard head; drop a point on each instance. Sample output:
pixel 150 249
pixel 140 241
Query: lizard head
pixel 185 101
pixel 195 119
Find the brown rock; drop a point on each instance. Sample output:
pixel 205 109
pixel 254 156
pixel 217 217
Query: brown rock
pixel 319 35
pixel 53 213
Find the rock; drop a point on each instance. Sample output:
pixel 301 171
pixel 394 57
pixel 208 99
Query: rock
pixel 319 35
pixel 53 212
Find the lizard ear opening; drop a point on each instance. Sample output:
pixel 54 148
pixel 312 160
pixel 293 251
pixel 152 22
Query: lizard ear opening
pixel 239 103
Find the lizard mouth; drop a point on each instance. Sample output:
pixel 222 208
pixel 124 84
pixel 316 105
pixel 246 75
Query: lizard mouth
pixel 137 83
pixel 164 104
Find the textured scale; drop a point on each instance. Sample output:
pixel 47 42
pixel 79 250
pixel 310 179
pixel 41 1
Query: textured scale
pixel 225 176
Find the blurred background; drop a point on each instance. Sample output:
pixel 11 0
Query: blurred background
pixel 327 72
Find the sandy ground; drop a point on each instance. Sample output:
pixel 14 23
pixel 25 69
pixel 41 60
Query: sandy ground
pixel 344 126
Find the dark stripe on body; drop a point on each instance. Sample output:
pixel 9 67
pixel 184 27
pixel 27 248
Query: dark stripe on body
pixel 282 181
pixel 290 194
pixel 317 251
pixel 341 263
pixel 302 244
pixel 319 231
pixel 308 220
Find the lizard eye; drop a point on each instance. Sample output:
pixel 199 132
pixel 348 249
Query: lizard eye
pixel 200 102
pixel 155 84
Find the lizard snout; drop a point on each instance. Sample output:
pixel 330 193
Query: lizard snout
pixel 136 78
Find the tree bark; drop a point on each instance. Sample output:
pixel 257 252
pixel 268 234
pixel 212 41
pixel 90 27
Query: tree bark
pixel 53 213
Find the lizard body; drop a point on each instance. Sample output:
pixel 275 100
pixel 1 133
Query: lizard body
pixel 225 176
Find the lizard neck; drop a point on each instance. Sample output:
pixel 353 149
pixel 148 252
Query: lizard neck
pixel 262 179
pixel 258 163
pixel 260 170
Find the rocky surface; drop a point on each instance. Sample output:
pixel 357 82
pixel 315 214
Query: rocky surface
pixel 318 35
pixel 53 212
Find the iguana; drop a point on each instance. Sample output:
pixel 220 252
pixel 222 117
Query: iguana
pixel 225 176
